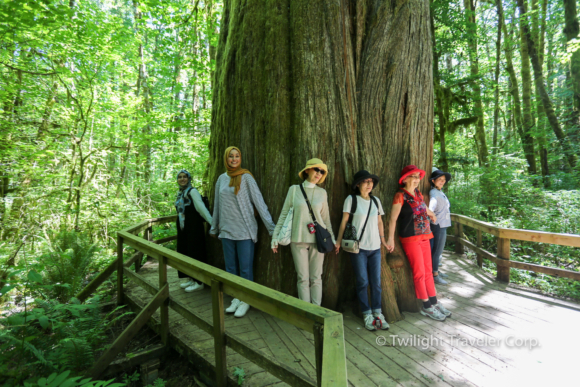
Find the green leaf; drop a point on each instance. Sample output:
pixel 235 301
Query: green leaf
pixel 34 276
pixel 43 321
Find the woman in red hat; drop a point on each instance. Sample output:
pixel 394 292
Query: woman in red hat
pixel 414 232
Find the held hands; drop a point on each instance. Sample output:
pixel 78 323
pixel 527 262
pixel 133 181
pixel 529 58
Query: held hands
pixel 337 248
pixel 390 245
pixel 275 250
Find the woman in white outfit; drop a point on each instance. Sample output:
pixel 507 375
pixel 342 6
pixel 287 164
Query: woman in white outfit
pixel 307 260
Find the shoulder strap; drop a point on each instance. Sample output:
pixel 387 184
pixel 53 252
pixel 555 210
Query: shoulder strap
pixel 368 215
pixel 308 203
pixel 353 205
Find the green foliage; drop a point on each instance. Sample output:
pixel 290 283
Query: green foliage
pixel 49 336
pixel 67 263
pixel 63 380
pixel 241 374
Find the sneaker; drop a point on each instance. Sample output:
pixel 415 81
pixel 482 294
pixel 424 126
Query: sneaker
pixel 380 321
pixel 438 280
pixel 187 283
pixel 433 313
pixel 443 275
pixel 370 322
pixel 194 287
pixel 242 309
pixel 233 306
pixel 442 309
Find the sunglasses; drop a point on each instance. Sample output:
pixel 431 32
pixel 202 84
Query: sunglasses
pixel 321 171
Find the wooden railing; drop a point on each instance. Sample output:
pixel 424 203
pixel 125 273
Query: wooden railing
pixel 324 324
pixel 505 235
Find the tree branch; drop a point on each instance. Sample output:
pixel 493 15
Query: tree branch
pixel 25 71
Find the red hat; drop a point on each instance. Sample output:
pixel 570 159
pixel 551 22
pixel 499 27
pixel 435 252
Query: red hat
pixel 408 170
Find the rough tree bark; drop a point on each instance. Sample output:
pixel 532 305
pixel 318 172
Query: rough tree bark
pixel 349 82
pixel 496 79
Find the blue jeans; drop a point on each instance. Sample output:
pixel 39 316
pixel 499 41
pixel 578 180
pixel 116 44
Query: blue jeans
pixel 239 257
pixel 437 245
pixel 367 268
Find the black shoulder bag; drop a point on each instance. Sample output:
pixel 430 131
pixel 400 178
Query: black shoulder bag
pixel 323 238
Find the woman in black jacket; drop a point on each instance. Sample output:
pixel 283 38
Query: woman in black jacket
pixel 191 213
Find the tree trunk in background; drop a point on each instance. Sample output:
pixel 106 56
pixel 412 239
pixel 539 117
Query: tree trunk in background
pixel 482 152
pixel 528 120
pixel 348 82
pixel 571 30
pixel 539 33
pixel 539 79
pixel 513 79
pixel 442 102
pixel 496 79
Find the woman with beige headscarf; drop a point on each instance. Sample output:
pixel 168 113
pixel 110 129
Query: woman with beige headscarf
pixel 307 260
pixel 236 195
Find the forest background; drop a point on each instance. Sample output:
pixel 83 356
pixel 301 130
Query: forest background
pixel 102 102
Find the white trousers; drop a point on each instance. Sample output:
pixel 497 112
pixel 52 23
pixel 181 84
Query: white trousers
pixel 308 262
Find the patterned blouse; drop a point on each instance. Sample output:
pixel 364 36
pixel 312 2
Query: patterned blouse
pixel 413 222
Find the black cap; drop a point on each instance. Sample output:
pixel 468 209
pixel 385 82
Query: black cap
pixel 438 173
pixel 363 175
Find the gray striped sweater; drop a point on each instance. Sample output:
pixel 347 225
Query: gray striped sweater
pixel 249 194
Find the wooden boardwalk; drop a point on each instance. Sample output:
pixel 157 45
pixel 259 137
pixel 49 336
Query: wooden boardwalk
pixel 482 344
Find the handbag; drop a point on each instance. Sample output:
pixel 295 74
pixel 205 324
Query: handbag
pixel 323 238
pixel 285 235
pixel 350 242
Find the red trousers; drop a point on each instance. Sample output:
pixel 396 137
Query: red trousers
pixel 419 256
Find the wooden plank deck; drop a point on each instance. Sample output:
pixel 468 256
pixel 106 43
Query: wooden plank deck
pixel 477 346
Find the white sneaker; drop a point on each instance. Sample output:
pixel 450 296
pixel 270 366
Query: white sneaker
pixel 384 325
pixel 187 284
pixel 234 306
pixel 369 319
pixel 242 309
pixel 194 287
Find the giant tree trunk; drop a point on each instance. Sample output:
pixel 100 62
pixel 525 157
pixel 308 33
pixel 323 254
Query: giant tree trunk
pixel 349 82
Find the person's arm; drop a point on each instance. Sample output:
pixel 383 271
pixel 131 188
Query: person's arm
pixel 433 204
pixel 345 216
pixel 200 205
pixel 431 214
pixel 325 215
pixel 382 232
pixel 285 209
pixel 258 200
pixel 214 231
pixel 395 211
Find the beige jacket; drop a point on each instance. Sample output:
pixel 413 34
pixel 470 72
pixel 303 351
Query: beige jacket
pixel 301 218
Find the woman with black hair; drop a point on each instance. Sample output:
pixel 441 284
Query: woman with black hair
pixel 362 213
pixel 439 204
pixel 191 213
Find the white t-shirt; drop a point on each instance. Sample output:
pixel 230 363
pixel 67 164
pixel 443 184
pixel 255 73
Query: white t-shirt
pixel 371 239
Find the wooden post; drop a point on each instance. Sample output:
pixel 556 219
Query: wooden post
pixel 458 227
pixel 503 252
pixel 318 349
pixel 334 357
pixel 149 236
pixel 479 257
pixel 120 300
pixel 164 308
pixel 219 333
